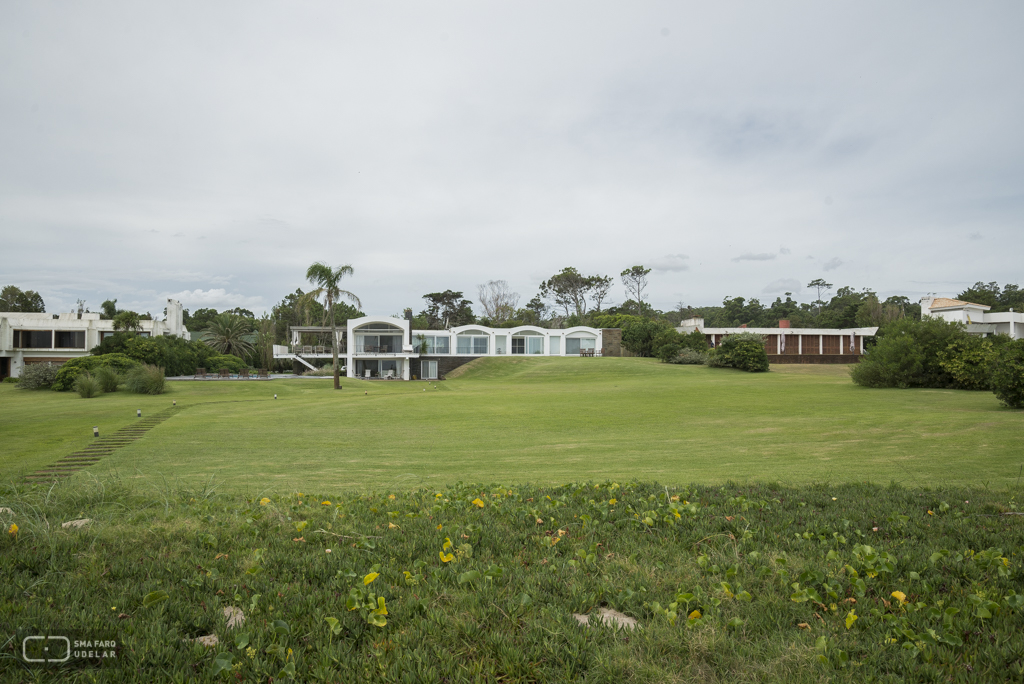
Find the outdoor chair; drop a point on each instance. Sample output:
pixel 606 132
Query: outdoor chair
pixel 390 375
pixel 367 375
pixel 243 374
pixel 307 349
pixel 225 373
pixel 262 374
pixel 200 373
pixel 320 350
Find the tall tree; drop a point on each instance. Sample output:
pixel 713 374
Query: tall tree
pixel 226 335
pixel 13 299
pixel 108 309
pixel 819 285
pixel 127 321
pixel 447 309
pixel 327 282
pixel 570 289
pixel 635 280
pixel 498 300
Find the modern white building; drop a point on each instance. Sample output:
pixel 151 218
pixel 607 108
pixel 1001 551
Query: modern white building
pixel 975 317
pixel 386 347
pixel 27 338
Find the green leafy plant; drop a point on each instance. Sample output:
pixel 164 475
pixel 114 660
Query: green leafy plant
pixel 108 378
pixel 744 351
pixel 87 386
pixel 145 380
pixel 38 375
pixel 1006 374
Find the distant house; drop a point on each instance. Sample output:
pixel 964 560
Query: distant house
pixel 975 317
pixel 27 338
pixel 795 345
pixel 385 347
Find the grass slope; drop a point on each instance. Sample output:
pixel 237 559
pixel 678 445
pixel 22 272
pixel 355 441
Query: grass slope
pixel 547 420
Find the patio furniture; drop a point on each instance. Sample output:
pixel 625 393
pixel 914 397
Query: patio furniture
pixel 262 374
pixel 307 349
pixel 383 349
pixel 200 373
pixel 367 374
pixel 225 373
pixel 243 374
pixel 390 375
pixel 320 350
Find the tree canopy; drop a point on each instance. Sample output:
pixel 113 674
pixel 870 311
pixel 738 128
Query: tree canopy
pixel 14 299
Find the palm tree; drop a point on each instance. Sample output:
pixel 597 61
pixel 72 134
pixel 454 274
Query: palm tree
pixel 326 280
pixel 225 335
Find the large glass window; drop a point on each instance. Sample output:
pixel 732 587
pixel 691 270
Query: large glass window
pixel 534 345
pixel 70 339
pixel 472 344
pixel 518 345
pixel 34 339
pixel 555 345
pixel 435 344
pixel 573 345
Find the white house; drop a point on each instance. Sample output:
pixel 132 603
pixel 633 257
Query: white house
pixel 975 317
pixel 27 338
pixel 383 347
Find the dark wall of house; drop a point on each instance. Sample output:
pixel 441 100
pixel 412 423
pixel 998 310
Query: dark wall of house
pixel 814 358
pixel 611 342
pixel 445 364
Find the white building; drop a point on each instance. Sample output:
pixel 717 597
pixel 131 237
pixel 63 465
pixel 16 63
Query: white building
pixel 975 317
pixel 382 347
pixel 27 338
pixel 795 345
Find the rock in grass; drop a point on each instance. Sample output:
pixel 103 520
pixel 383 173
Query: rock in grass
pixel 209 641
pixel 75 524
pixel 6 511
pixel 609 617
pixel 234 616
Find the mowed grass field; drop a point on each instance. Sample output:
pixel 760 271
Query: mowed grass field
pixel 542 421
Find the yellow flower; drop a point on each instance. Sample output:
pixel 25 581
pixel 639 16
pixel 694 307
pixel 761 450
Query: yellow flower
pixel 298 494
pixel 447 544
pixel 675 498
pixel 695 615
pixel 369 578
pixel 264 501
pixel 613 501
pixel 325 503
pixel 561 533
pixel 539 521
pixel 833 498
pixel 900 596
pixel 327 550
pixel 251 652
pixel 478 503
pixel 439 526
pixel 445 557
pixel 555 540
pixel 930 513
pixel 392 526
pixel 13 529
pixel 438 495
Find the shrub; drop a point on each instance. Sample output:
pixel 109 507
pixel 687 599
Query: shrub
pixel 38 375
pixel 639 335
pixel 325 371
pixel 11 380
pixel 906 354
pixel 232 363
pixel 71 369
pixel 669 343
pixel 145 379
pixel 87 386
pixel 108 378
pixel 744 351
pixel 1006 373
pixel 174 354
pixel 967 359
pixel 690 357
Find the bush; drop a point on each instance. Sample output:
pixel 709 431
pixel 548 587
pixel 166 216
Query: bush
pixel 744 351
pixel 108 378
pixel 639 335
pixel 690 357
pixel 145 379
pixel 967 359
pixel 87 386
pixel 38 375
pixel 907 354
pixel 11 380
pixel 669 344
pixel 71 369
pixel 174 354
pixel 1006 373
pixel 229 361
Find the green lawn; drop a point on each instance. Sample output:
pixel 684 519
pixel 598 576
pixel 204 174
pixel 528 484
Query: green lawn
pixel 548 420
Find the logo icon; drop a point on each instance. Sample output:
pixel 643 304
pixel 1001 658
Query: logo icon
pixel 52 649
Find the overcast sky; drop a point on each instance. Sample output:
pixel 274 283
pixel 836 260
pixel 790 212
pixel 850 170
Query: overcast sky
pixel 211 151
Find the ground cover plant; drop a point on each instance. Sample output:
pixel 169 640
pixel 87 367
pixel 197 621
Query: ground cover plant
pixel 856 582
pixel 549 420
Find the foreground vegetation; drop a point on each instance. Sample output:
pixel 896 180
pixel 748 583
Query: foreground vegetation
pixel 547 421
pixel 481 583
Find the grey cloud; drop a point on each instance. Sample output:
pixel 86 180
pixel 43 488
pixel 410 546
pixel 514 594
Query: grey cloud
pixel 976 236
pixel 832 264
pixel 671 262
pixel 784 250
pixel 782 285
pixel 750 256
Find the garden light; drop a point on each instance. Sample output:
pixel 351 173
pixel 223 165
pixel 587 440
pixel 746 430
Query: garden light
pixel 174 402
pixel 96 431
pixel 138 413
pixel 275 396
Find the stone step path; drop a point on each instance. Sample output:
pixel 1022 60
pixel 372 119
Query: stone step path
pixel 104 446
